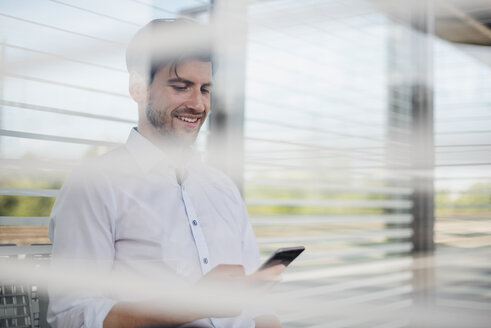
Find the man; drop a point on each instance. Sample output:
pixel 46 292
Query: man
pixel 152 204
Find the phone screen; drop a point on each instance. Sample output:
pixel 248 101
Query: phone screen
pixel 283 256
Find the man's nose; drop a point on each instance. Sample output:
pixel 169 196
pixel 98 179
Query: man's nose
pixel 198 101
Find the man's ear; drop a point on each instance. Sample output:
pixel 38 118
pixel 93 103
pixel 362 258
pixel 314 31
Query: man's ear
pixel 138 87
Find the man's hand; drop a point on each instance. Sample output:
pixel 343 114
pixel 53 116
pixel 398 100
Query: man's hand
pixel 267 321
pixel 233 274
pixel 268 277
pixel 130 315
pixel 224 273
pixel 227 277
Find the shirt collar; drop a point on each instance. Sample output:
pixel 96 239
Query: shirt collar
pixel 148 156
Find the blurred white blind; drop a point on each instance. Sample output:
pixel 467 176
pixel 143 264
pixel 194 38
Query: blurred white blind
pixel 463 170
pixel 318 169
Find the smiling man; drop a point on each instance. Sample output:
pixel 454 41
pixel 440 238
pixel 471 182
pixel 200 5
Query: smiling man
pixel 177 104
pixel 151 206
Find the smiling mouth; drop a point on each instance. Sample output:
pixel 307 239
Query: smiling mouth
pixel 188 119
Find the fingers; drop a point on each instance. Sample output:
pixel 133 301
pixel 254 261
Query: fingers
pixel 276 269
pixel 268 277
pixel 228 270
pixel 224 272
pixel 271 274
pixel 231 275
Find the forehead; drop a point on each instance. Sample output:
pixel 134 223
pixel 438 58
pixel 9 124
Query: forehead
pixel 196 71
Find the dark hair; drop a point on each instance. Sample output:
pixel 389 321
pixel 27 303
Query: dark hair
pixel 155 45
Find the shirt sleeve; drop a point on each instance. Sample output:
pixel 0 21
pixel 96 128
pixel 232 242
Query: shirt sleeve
pixel 81 230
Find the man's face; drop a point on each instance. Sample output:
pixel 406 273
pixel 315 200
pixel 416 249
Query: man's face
pixel 178 104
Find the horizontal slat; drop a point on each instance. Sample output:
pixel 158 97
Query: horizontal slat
pixel 377 296
pixel 466 146
pixel 16 220
pixel 365 150
pixel 395 324
pixel 479 178
pixel 461 217
pixel 350 321
pixel 59 56
pixel 476 283
pixel 92 37
pixel 355 177
pixel 28 250
pixel 463 206
pixel 358 236
pixel 382 280
pixel 64 111
pixel 299 160
pixel 317 316
pixel 395 204
pixel 332 187
pixel 286 220
pixel 29 192
pixel 460 304
pixel 393 248
pixel 367 320
pixel 378 175
pixel 464 290
pixel 286 106
pixel 467 192
pixel 284 164
pixel 465 227
pixel 63 84
pixel 464 164
pixel 85 10
pixel 385 266
pixel 37 136
pixel 297 127
pixel 37 164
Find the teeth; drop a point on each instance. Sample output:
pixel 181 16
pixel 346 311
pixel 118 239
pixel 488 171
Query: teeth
pixel 186 119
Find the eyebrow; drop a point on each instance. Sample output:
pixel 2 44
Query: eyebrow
pixel 187 82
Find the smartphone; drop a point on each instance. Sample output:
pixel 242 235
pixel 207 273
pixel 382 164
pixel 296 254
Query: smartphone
pixel 283 256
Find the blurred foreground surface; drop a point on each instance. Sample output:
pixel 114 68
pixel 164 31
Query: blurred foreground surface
pixel 327 126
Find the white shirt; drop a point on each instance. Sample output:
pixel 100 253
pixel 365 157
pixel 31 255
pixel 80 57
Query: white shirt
pixel 128 205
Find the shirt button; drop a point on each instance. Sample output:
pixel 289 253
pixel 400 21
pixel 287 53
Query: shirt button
pixel 195 223
pixel 205 260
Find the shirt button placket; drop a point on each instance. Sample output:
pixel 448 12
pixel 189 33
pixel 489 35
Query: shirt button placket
pixel 198 235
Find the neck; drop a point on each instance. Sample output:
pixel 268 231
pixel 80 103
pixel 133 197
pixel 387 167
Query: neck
pixel 177 152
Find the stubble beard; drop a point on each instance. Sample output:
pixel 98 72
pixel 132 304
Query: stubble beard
pixel 163 128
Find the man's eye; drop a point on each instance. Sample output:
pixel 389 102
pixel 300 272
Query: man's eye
pixel 205 91
pixel 178 88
